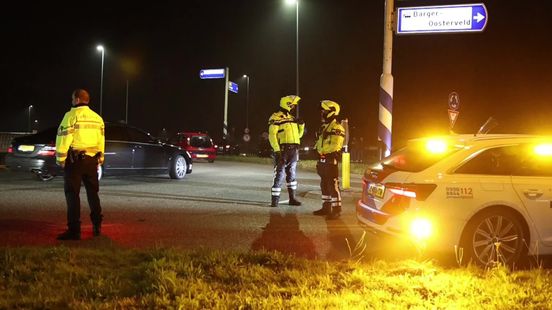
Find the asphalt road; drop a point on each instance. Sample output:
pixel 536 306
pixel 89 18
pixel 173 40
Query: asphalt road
pixel 222 205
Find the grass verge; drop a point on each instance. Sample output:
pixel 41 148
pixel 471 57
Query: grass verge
pixel 112 278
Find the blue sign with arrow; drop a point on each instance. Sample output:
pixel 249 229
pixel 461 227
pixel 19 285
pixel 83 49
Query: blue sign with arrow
pixel 211 74
pixel 233 87
pixel 442 19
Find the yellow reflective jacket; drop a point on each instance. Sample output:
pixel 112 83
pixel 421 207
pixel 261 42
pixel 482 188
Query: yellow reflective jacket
pixel 283 129
pixel 82 130
pixel 330 138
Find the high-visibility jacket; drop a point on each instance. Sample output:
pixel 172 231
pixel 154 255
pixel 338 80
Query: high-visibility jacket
pixel 330 138
pixel 81 130
pixel 284 129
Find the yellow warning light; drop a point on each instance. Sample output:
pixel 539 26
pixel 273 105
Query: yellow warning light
pixel 421 228
pixel 436 146
pixel 543 149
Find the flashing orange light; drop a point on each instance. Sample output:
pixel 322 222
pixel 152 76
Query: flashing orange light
pixel 436 146
pixel 544 149
pixel 421 228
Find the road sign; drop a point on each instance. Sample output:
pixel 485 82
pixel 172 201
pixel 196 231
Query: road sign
pixel 246 137
pixel 211 74
pixel 233 87
pixel 454 101
pixel 453 116
pixel 445 18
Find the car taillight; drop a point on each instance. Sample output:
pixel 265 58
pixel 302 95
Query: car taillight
pixel 411 190
pixel 10 149
pixel 48 150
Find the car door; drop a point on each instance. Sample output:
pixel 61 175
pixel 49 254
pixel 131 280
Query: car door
pixel 148 153
pixel 532 181
pixel 118 151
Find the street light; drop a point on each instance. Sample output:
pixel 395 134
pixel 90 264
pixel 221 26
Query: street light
pixel 247 104
pixel 30 126
pixel 100 48
pixel 296 3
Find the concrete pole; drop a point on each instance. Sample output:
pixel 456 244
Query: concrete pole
pixel 385 119
pixel 225 125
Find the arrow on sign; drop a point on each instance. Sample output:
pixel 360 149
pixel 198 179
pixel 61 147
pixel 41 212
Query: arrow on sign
pixel 479 17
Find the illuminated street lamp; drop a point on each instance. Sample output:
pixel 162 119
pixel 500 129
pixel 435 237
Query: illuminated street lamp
pixel 247 103
pixel 101 49
pixel 296 3
pixel 30 126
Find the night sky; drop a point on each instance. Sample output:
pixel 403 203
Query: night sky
pixel 49 50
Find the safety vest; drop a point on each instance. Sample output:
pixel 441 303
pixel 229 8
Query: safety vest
pixel 283 129
pixel 330 138
pixel 82 130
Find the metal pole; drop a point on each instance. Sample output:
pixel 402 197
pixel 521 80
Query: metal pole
pixel 247 105
pixel 225 125
pixel 297 51
pixel 30 126
pixel 126 109
pixel 101 84
pixel 386 83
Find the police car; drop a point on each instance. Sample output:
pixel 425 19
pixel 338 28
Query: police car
pixel 487 197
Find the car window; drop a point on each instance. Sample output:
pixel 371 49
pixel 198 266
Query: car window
pixel 517 160
pixel 200 141
pixel 494 161
pixel 116 133
pixel 136 135
pixel 415 157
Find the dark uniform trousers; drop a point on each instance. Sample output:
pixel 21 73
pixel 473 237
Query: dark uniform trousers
pixel 81 168
pixel 286 166
pixel 329 180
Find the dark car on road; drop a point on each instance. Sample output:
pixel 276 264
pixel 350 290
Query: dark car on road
pixel 128 150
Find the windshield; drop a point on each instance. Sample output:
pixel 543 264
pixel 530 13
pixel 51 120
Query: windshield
pixel 419 155
pixel 200 141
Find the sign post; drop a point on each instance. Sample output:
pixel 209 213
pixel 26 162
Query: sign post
pixel 442 19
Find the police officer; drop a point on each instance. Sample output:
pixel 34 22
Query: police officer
pixel 80 146
pixel 284 134
pixel 328 145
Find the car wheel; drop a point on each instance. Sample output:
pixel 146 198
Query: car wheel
pixel 495 236
pixel 178 167
pixel 45 177
pixel 211 160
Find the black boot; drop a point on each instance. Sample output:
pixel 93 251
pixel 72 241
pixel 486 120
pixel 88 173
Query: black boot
pixel 326 209
pixel 96 225
pixel 292 200
pixel 335 213
pixel 275 201
pixel 69 235
pixel 97 230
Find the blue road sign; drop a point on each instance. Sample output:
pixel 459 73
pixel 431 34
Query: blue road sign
pixel 442 19
pixel 233 87
pixel 211 74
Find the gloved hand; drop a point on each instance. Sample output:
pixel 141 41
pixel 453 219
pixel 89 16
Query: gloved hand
pixel 277 156
pixel 300 121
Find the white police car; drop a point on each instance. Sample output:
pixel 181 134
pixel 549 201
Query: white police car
pixel 488 196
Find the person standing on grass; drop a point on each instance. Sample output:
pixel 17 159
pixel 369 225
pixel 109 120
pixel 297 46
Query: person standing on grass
pixel 80 145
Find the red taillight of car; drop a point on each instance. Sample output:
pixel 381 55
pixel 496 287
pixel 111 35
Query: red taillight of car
pixel 48 150
pixel 10 149
pixel 411 190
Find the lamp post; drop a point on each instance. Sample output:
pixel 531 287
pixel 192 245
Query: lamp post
pixel 296 3
pixel 101 49
pixel 30 126
pixel 247 103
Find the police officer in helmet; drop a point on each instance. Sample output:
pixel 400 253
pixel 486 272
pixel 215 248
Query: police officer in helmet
pixel 330 138
pixel 284 135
